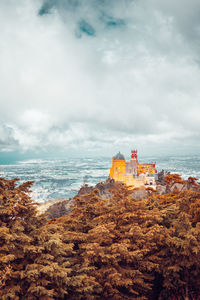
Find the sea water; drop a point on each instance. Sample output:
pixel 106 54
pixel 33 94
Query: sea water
pixel 62 178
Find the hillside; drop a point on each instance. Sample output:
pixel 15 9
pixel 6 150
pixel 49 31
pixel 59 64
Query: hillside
pixel 109 245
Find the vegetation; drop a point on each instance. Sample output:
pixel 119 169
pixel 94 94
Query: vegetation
pixel 114 248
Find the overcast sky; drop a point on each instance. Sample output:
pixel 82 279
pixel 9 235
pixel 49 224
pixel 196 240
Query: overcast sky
pixel 98 76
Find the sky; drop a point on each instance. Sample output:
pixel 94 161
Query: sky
pixel 92 77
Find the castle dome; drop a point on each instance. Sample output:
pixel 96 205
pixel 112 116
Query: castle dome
pixel 119 156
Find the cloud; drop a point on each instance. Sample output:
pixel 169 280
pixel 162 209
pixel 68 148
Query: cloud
pixel 99 75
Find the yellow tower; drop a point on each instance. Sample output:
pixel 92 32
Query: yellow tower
pixel 118 169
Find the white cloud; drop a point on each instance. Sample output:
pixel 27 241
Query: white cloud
pixel 136 83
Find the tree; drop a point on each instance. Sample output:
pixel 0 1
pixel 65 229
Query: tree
pixel 106 248
pixel 30 246
pixel 115 244
pixel 180 255
pixel 17 220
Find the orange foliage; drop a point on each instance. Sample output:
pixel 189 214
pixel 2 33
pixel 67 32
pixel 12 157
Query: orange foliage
pixel 113 248
pixel 174 178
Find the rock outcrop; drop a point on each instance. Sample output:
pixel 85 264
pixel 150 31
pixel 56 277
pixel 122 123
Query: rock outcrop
pixel 169 183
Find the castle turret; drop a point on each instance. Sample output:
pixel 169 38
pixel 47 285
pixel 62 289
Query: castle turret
pixel 134 155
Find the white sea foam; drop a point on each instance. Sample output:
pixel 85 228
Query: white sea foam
pixel 32 161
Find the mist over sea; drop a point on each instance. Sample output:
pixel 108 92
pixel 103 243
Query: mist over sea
pixel 62 178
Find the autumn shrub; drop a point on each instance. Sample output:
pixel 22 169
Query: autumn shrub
pixel 32 255
pixel 115 248
pixel 115 242
pixel 180 253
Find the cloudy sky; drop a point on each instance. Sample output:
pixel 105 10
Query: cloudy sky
pixel 97 76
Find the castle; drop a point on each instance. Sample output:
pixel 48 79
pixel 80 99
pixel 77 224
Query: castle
pixel 132 173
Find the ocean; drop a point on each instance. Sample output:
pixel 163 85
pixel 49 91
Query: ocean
pixel 62 178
